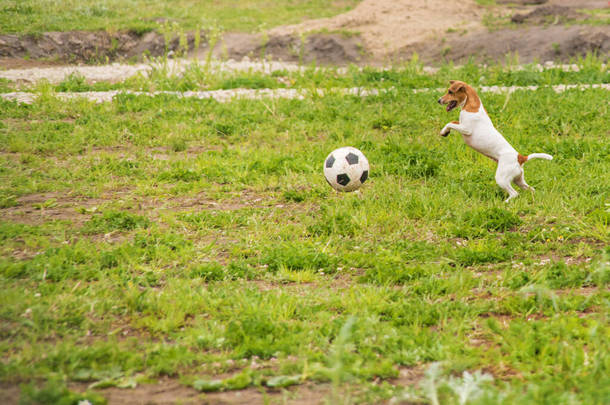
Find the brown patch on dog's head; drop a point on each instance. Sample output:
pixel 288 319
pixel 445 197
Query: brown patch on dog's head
pixel 460 94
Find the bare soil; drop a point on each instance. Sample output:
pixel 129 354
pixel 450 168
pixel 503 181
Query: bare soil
pixel 387 26
pixel 169 391
pixel 551 14
pixel 83 46
pixel 9 393
pixel 374 32
pixel 531 43
pixel 36 209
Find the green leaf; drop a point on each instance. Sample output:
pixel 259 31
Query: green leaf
pixel 208 385
pixel 282 381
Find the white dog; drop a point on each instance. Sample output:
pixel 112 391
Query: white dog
pixel 480 134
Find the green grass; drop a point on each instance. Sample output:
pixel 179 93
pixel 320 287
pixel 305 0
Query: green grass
pixel 597 16
pixel 411 75
pixel 32 16
pixel 152 237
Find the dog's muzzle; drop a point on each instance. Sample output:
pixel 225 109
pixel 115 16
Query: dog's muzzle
pixel 451 105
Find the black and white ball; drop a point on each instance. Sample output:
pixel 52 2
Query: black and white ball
pixel 346 169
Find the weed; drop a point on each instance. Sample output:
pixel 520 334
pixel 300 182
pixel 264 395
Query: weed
pixel 479 222
pixel 179 144
pixel 482 252
pixel 408 159
pixel 331 222
pixel 73 82
pixel 55 392
pixel 296 256
pixel 115 221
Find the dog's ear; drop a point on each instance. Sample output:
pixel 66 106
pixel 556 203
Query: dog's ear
pixel 456 85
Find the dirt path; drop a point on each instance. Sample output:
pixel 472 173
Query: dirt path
pixel 117 72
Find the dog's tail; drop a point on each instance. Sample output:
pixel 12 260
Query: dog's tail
pixel 523 159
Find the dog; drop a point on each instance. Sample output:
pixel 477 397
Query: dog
pixel 479 133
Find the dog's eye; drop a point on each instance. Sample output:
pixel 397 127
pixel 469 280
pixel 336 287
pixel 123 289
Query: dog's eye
pixel 450 91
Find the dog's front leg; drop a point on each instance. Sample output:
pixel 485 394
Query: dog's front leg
pixel 457 126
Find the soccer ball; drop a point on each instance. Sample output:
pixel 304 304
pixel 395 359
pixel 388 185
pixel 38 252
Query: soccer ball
pixel 346 169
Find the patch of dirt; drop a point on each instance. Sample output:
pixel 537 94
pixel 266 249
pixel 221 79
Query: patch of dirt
pixel 410 376
pixel 551 14
pixel 386 26
pixel 244 199
pixel 322 48
pixel 20 63
pixel 168 391
pixel 53 48
pixel 570 3
pixel 34 209
pixel 9 393
pixel 84 46
pixel 584 291
pixel 542 43
pixel 522 2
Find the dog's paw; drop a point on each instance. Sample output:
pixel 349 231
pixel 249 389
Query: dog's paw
pixel 445 131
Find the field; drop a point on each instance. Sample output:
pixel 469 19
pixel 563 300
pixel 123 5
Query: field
pixel 174 242
pixel 32 16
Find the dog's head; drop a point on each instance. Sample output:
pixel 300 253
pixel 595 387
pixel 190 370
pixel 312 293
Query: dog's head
pixel 456 95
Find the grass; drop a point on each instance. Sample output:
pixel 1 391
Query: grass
pixel 198 76
pixel 160 236
pixel 597 16
pixel 32 17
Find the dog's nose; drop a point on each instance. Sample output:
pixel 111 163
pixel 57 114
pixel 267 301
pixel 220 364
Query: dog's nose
pixel 440 100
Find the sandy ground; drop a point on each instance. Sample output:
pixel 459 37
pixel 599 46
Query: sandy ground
pixel 386 26
pixel 118 72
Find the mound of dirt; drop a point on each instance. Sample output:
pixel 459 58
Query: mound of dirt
pixel 542 43
pixel 522 2
pixel 83 46
pixel 87 47
pixel 548 14
pixel 321 48
pixel 385 26
pixel 566 3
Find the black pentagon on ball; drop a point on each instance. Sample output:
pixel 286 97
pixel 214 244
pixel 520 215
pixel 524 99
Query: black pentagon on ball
pixel 365 175
pixel 351 158
pixel 343 179
pixel 330 161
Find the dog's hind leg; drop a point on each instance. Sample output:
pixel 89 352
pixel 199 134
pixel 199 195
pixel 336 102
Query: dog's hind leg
pixel 520 181
pixel 505 173
pixel 506 186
